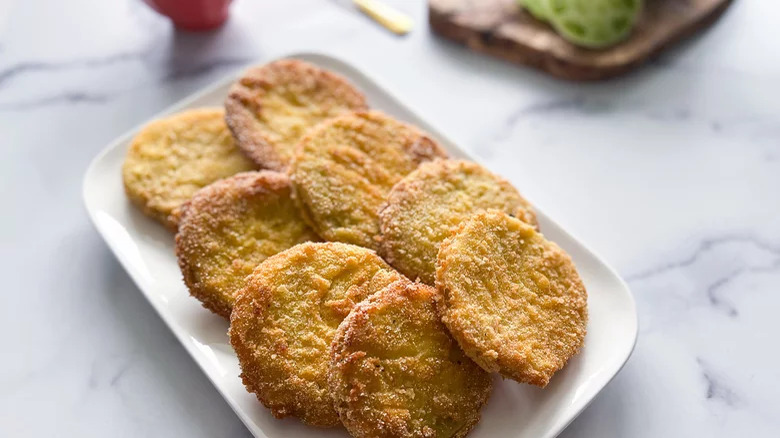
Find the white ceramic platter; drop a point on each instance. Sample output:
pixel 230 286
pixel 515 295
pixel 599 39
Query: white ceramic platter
pixel 145 249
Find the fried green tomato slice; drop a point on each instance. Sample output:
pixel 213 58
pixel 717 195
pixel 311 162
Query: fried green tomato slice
pixel 284 320
pixel 229 227
pixel 512 299
pixel 344 169
pixel 272 106
pixel 172 158
pixel 396 371
pixel 427 205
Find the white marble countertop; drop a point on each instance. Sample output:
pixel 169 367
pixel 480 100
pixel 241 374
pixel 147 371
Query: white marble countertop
pixel 672 174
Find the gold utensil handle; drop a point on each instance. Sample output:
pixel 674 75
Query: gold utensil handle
pixel 392 19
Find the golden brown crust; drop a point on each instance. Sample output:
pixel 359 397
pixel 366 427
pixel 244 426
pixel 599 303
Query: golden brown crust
pixel 427 205
pixel 229 227
pixel 513 300
pixel 284 320
pixel 171 158
pixel 272 106
pixel 344 168
pixel 396 372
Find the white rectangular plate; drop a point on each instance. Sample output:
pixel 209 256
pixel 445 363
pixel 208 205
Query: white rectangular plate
pixel 145 249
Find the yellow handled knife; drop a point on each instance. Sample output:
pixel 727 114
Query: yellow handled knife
pixel 390 18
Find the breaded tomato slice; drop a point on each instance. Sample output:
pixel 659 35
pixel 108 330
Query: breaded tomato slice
pixel 396 371
pixel 284 320
pixel 172 158
pixel 512 299
pixel 344 168
pixel 428 204
pixel 229 227
pixel 272 106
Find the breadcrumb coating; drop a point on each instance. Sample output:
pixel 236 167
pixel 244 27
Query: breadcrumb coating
pixel 427 205
pixel 272 106
pixel 284 320
pixel 172 158
pixel 229 227
pixel 397 372
pixel 512 299
pixel 344 168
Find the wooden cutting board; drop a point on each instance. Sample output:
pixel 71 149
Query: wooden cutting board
pixel 503 29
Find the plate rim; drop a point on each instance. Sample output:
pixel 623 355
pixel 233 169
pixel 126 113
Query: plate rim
pixel 313 56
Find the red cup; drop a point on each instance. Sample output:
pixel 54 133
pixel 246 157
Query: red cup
pixel 193 14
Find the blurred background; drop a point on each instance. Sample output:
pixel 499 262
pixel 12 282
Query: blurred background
pixel 671 173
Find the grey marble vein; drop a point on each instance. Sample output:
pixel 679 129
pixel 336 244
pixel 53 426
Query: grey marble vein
pixel 178 71
pixel 725 265
pixel 703 247
pixel 716 300
pixel 504 131
pixel 66 98
pixel 26 67
pixel 182 71
pixel 119 373
pixel 716 388
pixel 713 290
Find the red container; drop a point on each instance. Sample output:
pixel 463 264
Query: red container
pixel 193 14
